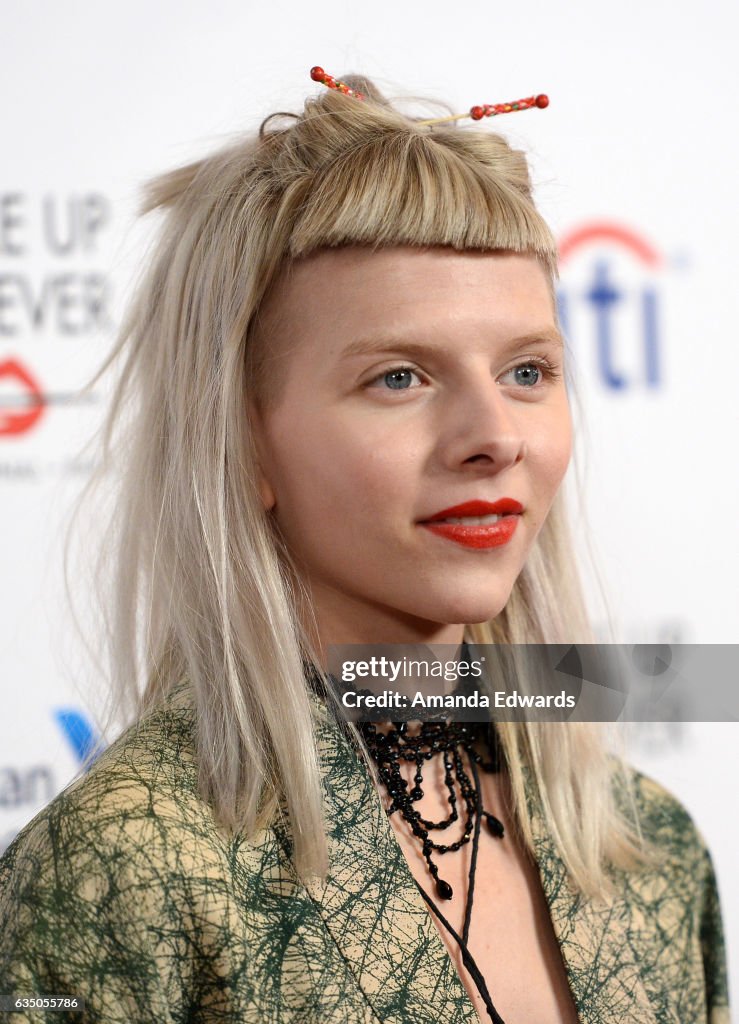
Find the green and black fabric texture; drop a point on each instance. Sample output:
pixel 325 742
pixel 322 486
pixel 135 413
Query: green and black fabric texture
pixel 124 892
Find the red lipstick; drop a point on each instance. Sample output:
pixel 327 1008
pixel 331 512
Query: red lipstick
pixel 475 534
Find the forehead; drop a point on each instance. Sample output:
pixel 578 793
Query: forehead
pixel 347 287
pixel 353 303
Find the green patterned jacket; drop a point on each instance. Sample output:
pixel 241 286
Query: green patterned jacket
pixel 123 891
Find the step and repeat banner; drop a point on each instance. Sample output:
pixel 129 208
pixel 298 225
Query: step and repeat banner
pixel 635 165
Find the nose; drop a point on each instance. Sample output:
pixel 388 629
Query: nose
pixel 484 428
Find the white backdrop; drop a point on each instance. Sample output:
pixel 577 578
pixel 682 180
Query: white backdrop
pixel 635 162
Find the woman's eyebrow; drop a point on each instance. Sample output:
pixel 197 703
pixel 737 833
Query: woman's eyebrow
pixel 395 343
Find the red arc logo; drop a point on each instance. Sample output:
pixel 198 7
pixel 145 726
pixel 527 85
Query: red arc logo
pixel 15 420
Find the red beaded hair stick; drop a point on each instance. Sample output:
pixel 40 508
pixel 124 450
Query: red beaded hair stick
pixel 319 75
pixel 476 113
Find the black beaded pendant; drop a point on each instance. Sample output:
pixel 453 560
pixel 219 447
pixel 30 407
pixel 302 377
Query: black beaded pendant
pixel 444 889
pixel 447 739
pixel 494 825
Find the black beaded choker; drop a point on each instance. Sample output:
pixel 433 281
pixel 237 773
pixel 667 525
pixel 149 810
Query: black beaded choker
pixel 447 739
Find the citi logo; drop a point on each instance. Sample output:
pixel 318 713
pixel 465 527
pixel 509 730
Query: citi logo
pixel 610 303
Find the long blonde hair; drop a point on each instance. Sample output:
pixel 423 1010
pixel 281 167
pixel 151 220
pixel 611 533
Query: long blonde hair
pixel 201 587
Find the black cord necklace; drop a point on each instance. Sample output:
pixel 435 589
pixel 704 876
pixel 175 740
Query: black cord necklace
pixel 449 740
pixel 387 750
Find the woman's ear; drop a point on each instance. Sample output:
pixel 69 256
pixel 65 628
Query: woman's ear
pixel 267 495
pixel 265 491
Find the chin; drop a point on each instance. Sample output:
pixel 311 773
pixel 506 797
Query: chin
pixel 470 612
pixel 466 597
pixel 481 617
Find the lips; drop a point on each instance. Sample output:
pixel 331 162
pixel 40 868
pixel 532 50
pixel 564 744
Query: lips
pixel 476 508
pixel 476 534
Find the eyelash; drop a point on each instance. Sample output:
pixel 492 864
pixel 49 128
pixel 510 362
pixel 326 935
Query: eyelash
pixel 549 370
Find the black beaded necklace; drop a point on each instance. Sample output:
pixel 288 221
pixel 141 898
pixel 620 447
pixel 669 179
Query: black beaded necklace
pixel 447 739
pixel 387 750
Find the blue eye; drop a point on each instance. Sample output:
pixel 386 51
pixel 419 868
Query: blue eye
pixel 400 378
pixel 535 371
pixel 397 379
pixel 527 374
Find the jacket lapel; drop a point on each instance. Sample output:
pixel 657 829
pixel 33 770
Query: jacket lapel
pixel 371 906
pixel 602 968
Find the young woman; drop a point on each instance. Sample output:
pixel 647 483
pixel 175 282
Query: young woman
pixel 344 416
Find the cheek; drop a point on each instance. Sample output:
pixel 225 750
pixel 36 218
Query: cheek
pixel 558 450
pixel 550 451
pixel 338 470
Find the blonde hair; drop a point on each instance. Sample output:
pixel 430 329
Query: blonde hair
pixel 202 587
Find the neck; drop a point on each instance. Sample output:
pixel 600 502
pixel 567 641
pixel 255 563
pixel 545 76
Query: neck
pixel 338 622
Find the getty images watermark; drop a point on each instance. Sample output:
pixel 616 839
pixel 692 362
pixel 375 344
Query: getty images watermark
pixel 535 682
pixel 467 697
